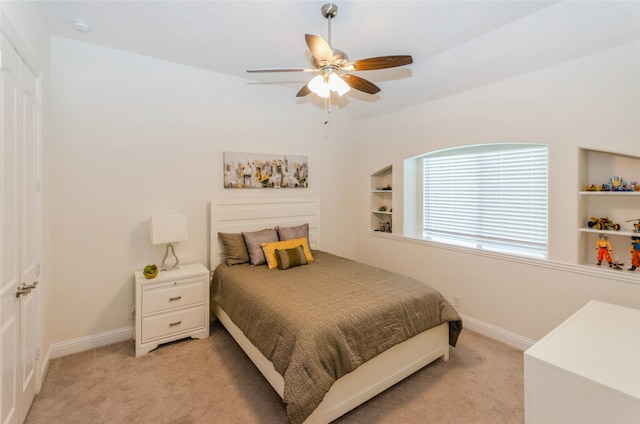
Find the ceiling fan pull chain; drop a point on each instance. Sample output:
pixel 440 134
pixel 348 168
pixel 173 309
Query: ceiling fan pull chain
pixel 327 109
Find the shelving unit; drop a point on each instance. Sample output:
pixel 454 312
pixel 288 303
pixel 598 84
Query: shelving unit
pixel 596 167
pixel 626 228
pixel 381 197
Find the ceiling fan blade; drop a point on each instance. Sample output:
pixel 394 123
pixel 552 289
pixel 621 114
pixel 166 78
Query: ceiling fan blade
pixel 304 91
pixel 280 70
pixel 319 47
pixel 382 62
pixel 361 84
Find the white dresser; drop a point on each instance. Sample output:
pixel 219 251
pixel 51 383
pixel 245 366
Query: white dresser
pixel 172 306
pixel 587 370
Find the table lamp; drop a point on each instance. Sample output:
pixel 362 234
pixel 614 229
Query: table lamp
pixel 168 229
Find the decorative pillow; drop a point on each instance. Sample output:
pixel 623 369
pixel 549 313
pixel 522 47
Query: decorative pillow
pixel 254 241
pixel 288 258
pixel 234 248
pixel 290 233
pixel 270 250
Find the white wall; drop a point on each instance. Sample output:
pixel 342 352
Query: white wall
pixel 591 102
pixel 131 136
pixel 134 136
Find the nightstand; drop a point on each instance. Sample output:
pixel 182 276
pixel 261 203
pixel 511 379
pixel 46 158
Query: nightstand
pixel 172 306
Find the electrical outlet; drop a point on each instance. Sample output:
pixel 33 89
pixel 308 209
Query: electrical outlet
pixel 456 302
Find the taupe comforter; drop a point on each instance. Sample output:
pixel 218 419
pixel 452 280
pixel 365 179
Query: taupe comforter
pixel 318 322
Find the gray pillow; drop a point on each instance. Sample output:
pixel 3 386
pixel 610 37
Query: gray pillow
pixel 254 241
pixel 290 233
pixel 289 258
pixel 234 248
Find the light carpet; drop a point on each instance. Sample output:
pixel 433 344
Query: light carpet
pixel 213 381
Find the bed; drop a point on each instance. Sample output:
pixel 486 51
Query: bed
pixel 328 335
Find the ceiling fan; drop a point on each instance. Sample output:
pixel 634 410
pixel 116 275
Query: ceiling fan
pixel 332 66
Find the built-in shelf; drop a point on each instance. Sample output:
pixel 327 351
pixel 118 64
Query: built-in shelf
pixel 609 193
pixel 608 232
pixel 381 196
pixel 621 207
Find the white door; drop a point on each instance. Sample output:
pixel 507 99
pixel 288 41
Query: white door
pixel 29 236
pixel 19 234
pixel 9 232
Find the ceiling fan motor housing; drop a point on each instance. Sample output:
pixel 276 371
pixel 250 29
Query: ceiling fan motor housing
pixel 329 10
pixel 340 59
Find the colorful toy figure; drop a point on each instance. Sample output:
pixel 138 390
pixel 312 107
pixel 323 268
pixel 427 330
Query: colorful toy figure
pixel 617 265
pixel 603 224
pixel 614 184
pixel 603 246
pixel 636 226
pixel 635 253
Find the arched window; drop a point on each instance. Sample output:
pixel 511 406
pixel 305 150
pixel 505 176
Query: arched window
pixel 491 197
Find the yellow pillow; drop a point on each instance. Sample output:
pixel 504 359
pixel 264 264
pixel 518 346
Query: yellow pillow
pixel 270 250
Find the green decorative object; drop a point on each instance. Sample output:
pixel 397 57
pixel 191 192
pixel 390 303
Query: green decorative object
pixel 150 271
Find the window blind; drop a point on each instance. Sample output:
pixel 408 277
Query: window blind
pixel 489 197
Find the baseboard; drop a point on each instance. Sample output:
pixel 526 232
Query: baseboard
pixel 45 361
pixel 89 342
pixel 81 344
pixel 496 333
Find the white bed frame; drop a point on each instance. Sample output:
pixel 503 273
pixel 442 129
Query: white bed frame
pixel 368 380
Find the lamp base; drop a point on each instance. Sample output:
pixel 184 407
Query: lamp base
pixel 176 268
pixel 163 267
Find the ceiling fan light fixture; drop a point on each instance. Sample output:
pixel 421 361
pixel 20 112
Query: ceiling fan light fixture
pixel 332 66
pixel 318 86
pixel 338 85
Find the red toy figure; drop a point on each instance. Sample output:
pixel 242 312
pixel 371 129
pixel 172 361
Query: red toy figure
pixel 603 246
pixel 635 253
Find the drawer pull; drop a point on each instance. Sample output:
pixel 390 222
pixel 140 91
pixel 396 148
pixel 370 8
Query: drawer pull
pixel 173 324
pixel 171 299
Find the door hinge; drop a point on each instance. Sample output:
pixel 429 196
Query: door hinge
pixel 38 186
pixel 38 103
pixel 38 270
pixel 37 353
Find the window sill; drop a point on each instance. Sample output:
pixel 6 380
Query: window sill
pixel 586 269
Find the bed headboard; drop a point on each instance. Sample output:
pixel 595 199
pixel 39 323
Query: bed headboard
pixel 254 214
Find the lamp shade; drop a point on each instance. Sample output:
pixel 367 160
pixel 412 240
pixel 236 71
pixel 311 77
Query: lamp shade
pixel 319 86
pixel 324 84
pixel 338 85
pixel 168 228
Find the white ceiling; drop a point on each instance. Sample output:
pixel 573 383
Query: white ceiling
pixel 456 45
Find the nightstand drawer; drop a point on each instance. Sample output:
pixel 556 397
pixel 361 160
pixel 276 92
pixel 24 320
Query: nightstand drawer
pixel 171 323
pixel 163 299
